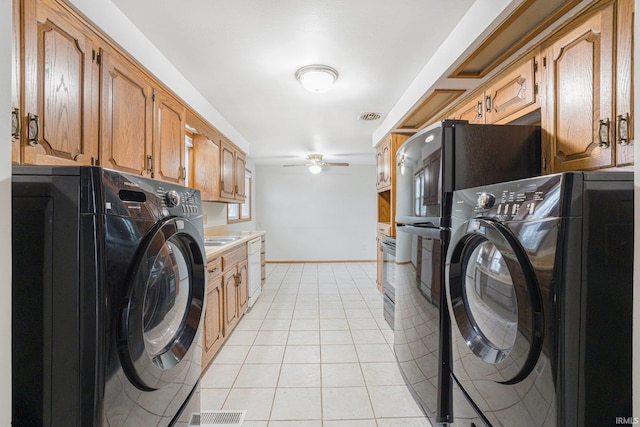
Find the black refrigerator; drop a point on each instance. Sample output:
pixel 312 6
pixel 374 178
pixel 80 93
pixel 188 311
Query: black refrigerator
pixel 447 156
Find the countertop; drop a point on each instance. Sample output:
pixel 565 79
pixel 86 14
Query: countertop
pixel 244 236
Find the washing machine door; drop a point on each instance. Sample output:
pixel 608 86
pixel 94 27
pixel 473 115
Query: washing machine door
pixel 164 306
pixel 494 299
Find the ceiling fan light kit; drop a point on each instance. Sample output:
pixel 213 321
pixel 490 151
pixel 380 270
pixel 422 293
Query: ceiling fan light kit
pixel 316 78
pixel 316 165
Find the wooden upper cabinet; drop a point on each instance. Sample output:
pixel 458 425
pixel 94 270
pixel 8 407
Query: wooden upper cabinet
pixel 168 138
pixel 471 111
pixel 205 169
pixel 513 92
pixel 624 135
pixel 16 74
pixel 61 78
pixel 383 164
pixel 126 117
pixel 579 104
pixel 232 168
pixel 240 167
pixel 227 174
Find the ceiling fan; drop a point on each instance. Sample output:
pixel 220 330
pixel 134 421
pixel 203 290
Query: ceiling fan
pixel 316 163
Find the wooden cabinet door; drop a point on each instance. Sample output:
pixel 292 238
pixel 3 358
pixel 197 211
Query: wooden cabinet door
pixel 16 70
pixel 205 169
pixel 473 111
pixel 624 135
pixel 126 117
pixel 230 295
pixel 213 321
pixel 168 138
pixel 227 175
pixel 239 172
pixel 579 95
pixel 514 92
pixel 386 165
pixel 60 87
pixel 243 287
pixel 379 167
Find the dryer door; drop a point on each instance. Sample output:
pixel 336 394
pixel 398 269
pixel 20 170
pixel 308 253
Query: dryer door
pixel 494 299
pixel 160 321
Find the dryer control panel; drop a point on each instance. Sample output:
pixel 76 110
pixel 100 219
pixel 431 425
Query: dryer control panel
pixel 516 200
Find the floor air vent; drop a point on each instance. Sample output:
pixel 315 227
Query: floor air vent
pixel 218 419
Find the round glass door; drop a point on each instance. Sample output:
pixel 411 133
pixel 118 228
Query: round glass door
pixel 494 298
pixel 165 304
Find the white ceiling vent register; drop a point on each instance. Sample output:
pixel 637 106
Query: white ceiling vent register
pixel 218 419
pixel 368 117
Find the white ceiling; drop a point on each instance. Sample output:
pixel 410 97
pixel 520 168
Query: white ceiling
pixel 242 56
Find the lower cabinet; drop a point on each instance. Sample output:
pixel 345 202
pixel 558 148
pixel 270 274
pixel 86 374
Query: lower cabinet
pixel 227 299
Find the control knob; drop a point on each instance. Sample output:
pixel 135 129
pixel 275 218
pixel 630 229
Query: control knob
pixel 172 198
pixel 486 200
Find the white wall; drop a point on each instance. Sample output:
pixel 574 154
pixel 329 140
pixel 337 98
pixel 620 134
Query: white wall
pixel 326 217
pixel 5 213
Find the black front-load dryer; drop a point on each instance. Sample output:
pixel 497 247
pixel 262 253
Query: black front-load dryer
pixel 539 292
pixel 108 298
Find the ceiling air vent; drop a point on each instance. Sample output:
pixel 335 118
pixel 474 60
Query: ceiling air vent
pixel 367 117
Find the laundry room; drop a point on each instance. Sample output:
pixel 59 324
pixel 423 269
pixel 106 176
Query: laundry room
pixel 319 214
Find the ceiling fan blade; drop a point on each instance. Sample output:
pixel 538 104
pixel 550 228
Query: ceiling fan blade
pixel 336 164
pixel 288 166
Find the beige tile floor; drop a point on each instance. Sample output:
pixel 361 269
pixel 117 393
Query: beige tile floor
pixel 314 351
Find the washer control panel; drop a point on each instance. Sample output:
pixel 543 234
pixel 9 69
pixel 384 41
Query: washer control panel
pixel 515 200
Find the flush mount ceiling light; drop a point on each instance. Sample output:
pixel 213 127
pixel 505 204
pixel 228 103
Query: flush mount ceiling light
pixel 316 78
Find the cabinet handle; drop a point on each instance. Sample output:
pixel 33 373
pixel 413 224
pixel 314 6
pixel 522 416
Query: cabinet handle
pixel 149 164
pixel 488 102
pixel 213 270
pixel 479 109
pixel 184 173
pixel 603 133
pixel 15 124
pixel 33 130
pixel 623 129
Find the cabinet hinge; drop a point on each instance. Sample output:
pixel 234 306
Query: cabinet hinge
pixel 153 97
pixel 544 61
pixel 150 165
pixel 535 66
pixel 93 55
pixel 99 59
pixel 535 89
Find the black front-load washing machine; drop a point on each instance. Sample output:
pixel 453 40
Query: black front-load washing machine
pixel 108 298
pixel 539 291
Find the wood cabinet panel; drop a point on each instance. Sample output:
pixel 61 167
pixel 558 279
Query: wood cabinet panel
pixel 513 92
pixel 226 172
pixel 126 113
pixel 230 294
pixel 62 72
pixel 624 132
pixel 213 324
pixel 16 84
pixel 168 138
pixel 579 95
pixel 205 170
pixel 239 171
pixel 471 111
pixel 243 287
